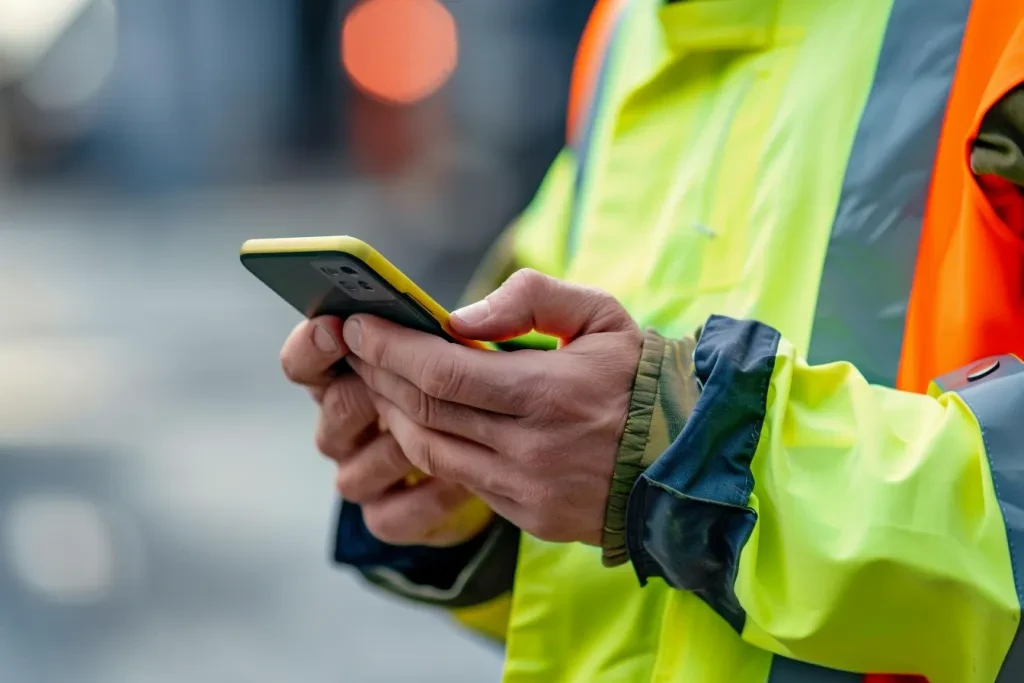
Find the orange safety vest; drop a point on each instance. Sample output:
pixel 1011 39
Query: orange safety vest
pixel 967 301
pixel 586 69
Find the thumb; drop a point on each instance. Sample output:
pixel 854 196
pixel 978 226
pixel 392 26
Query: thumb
pixel 530 301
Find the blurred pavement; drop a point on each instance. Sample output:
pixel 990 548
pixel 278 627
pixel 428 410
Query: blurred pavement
pixel 163 514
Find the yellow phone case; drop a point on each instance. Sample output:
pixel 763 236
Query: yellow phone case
pixel 373 260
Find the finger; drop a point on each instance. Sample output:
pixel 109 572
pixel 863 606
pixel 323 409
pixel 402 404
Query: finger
pixel 530 300
pixel 477 425
pixel 425 515
pixel 498 382
pixel 372 469
pixel 310 351
pixel 346 413
pixel 447 457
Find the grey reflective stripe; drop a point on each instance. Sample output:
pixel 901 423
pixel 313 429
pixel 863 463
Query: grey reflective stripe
pixel 997 401
pixel 869 266
pixel 582 145
pixel 791 671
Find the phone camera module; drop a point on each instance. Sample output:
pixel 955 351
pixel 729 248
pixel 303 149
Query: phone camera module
pixel 366 286
pixel 349 270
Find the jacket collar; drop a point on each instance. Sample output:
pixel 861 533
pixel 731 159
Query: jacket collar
pixel 718 25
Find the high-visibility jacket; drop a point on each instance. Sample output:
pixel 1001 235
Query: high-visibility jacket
pixel 828 188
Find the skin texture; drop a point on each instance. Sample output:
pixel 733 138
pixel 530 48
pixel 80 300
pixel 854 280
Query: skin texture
pixel 533 434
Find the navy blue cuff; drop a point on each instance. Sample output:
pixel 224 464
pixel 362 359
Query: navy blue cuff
pixel 356 547
pixel 688 517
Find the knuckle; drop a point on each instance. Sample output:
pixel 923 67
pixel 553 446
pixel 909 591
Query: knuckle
pixel 431 462
pixel 346 399
pixel 425 409
pixel 323 441
pixel 431 378
pixel 600 297
pixel 528 279
pixel 372 349
pixel 441 376
pixel 413 402
pixel 336 399
pixel 288 366
pixel 602 301
pixel 348 487
pixel 607 314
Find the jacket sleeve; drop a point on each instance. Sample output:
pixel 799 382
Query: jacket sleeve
pixel 473 580
pixel 828 520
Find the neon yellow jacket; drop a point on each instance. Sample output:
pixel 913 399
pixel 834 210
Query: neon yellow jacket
pixel 759 169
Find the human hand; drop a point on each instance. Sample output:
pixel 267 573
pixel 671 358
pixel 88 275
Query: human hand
pixel 372 469
pixel 533 433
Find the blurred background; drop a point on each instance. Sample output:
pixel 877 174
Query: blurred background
pixel 163 514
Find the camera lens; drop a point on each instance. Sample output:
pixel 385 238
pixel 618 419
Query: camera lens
pixel 349 271
pixel 349 286
pixel 365 285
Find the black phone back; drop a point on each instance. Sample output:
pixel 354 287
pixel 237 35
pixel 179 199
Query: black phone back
pixel 338 284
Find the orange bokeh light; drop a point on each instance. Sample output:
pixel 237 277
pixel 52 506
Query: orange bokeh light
pixel 399 51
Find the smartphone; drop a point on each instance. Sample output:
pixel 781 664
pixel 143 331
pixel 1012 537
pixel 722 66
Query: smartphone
pixel 342 276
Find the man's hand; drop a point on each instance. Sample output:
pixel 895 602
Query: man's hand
pixel 533 433
pixel 371 466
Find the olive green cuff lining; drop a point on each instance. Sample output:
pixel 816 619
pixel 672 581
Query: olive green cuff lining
pixel 630 462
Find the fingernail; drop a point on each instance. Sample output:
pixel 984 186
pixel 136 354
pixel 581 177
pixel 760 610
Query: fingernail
pixel 353 333
pixel 323 339
pixel 474 314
